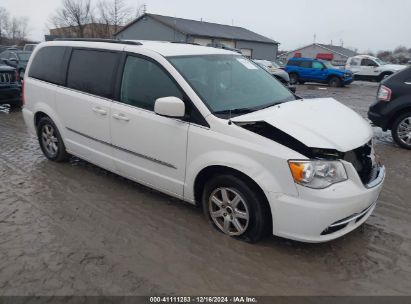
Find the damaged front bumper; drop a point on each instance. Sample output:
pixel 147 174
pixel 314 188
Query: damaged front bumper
pixel 326 214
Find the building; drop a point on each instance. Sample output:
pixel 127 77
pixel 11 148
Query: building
pixel 91 30
pixel 164 28
pixel 338 55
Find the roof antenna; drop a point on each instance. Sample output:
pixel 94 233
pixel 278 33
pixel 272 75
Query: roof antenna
pixel 229 118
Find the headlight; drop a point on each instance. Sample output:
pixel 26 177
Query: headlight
pixel 317 174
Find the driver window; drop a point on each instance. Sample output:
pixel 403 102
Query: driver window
pixel 368 62
pixel 143 82
pixel 317 65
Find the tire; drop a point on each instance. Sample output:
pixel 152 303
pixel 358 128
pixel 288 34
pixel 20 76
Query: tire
pixel 401 130
pixel 50 141
pixel 16 106
pixel 248 220
pixel 293 78
pixel 301 81
pixel 335 82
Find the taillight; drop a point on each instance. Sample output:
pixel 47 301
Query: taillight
pixel 23 100
pixel 384 93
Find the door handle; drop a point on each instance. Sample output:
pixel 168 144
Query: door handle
pixel 121 117
pixel 99 110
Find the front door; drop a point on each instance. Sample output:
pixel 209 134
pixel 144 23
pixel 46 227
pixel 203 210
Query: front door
pixel 368 68
pixel 148 148
pixel 318 72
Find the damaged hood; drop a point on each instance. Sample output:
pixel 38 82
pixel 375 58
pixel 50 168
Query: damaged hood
pixel 317 123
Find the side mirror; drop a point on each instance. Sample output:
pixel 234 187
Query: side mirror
pixel 170 107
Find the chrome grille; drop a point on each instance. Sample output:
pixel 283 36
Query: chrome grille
pixel 5 78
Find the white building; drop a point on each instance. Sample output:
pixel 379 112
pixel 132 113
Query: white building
pixel 338 55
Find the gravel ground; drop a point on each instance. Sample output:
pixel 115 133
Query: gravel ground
pixel 75 229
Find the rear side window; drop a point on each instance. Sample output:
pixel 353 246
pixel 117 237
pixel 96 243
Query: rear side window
pixel 355 62
pixel 144 81
pixel 49 65
pixel 306 64
pixel 93 72
pixel 293 63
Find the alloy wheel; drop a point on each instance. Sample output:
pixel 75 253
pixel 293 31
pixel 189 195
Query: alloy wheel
pixel 49 140
pixel 229 211
pixel 404 131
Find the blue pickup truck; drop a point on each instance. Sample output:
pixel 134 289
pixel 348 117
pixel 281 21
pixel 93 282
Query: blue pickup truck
pixel 303 70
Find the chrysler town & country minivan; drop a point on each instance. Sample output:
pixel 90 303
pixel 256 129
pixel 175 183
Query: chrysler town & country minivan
pixel 209 127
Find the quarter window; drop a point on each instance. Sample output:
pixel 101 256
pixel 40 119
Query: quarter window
pixel 143 82
pixel 93 71
pixel 49 65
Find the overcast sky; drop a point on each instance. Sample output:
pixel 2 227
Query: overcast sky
pixel 362 24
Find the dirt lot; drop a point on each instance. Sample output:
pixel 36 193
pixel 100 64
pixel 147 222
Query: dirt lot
pixel 75 229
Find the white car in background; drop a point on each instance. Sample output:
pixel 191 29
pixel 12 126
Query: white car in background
pixel 365 67
pixel 209 127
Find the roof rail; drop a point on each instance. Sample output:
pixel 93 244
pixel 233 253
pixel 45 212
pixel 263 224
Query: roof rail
pixel 100 40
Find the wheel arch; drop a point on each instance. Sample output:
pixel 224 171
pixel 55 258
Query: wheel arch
pixel 396 114
pixel 208 172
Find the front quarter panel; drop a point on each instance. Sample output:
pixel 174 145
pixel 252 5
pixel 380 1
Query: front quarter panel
pixel 231 146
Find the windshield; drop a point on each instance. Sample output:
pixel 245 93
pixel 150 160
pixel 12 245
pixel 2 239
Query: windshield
pixel 380 62
pixel 24 56
pixel 231 82
pixel 328 65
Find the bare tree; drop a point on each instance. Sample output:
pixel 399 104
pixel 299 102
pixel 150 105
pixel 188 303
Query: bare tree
pixel 75 14
pixel 4 23
pixel 115 13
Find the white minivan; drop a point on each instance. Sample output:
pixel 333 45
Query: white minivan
pixel 209 127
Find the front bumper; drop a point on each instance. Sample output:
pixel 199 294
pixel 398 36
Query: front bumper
pixel 348 80
pixel 323 215
pixel 10 95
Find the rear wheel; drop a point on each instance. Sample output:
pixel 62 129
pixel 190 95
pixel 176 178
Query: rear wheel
pixel 401 130
pixel 293 78
pixel 236 208
pixel 50 140
pixel 335 82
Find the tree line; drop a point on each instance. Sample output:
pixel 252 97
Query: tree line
pixel 13 30
pixel 80 18
pixel 399 55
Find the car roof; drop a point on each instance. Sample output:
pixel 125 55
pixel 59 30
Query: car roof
pixel 364 56
pixel 164 48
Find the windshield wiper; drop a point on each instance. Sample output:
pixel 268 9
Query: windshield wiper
pixel 235 111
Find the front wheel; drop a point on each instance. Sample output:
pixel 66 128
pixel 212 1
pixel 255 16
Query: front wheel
pixel 236 208
pixel 401 130
pixel 335 82
pixel 50 140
